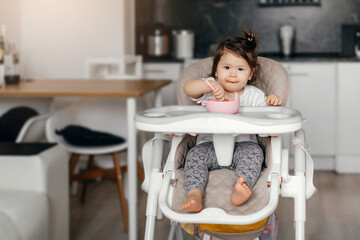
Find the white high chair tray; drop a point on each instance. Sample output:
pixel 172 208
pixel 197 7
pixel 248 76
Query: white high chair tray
pixel 196 119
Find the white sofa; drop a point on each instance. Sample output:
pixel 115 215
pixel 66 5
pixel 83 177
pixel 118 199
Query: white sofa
pixel 34 195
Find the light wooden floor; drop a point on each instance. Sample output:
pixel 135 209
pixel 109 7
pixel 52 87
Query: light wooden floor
pixel 333 213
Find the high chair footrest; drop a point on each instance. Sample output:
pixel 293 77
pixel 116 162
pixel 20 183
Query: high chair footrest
pixel 217 215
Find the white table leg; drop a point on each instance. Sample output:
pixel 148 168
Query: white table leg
pixel 158 98
pixel 131 163
pixel 158 103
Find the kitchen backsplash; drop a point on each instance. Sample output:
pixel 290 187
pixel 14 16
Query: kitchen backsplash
pixel 317 28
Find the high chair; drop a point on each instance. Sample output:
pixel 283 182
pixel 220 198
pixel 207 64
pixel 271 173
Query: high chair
pixel 178 125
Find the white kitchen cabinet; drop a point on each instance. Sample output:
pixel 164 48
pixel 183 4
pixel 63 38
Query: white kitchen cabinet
pixel 165 71
pixel 312 92
pixel 348 117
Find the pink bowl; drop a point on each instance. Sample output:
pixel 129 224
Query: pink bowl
pixel 230 106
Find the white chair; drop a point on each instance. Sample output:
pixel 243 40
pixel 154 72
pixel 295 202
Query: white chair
pixel 126 67
pixel 33 129
pixel 101 115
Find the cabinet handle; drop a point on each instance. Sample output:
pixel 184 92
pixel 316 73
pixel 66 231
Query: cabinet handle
pixel 154 71
pixel 299 74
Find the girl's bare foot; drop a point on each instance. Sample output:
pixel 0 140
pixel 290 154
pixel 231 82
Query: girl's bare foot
pixel 241 192
pixel 193 201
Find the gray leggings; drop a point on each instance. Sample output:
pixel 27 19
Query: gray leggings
pixel 247 162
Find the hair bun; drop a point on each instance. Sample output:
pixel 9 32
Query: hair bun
pixel 250 39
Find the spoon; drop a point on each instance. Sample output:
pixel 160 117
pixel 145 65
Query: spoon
pixel 209 84
pixel 213 89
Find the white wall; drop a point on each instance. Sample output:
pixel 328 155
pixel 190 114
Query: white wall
pixel 129 28
pixel 55 37
pixel 10 15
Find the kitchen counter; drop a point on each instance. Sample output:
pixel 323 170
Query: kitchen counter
pixel 161 60
pixel 310 57
pixel 297 57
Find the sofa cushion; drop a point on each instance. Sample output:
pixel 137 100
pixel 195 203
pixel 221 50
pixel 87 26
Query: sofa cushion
pixel 27 212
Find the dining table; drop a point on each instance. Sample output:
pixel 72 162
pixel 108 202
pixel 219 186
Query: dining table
pixel 130 89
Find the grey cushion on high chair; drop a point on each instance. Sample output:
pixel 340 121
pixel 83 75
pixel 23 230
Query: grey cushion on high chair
pixel 220 183
pixel 274 79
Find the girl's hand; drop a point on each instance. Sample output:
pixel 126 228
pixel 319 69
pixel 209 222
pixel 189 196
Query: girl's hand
pixel 273 100
pixel 219 92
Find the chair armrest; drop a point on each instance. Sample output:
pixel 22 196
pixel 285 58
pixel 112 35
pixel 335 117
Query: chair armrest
pixel 33 129
pixel 40 172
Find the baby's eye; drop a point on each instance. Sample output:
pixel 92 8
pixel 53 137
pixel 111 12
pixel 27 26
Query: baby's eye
pixel 227 67
pixel 241 69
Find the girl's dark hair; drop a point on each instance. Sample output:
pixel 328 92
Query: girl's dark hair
pixel 245 47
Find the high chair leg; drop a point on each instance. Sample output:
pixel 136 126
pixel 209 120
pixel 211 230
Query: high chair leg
pixel 156 179
pixel 296 188
pixel 158 154
pixel 176 230
pixel 179 232
pixel 172 230
pixel 300 209
pixel 149 228
pixel 152 203
pixel 300 230
pixel 300 199
pixel 159 214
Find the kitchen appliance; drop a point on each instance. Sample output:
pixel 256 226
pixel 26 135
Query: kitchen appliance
pixel 350 40
pixel 154 42
pixel 183 43
pixel 286 36
pixel 357 43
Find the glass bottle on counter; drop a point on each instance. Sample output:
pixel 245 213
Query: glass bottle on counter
pixel 12 67
pixel 2 56
pixel 2 49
